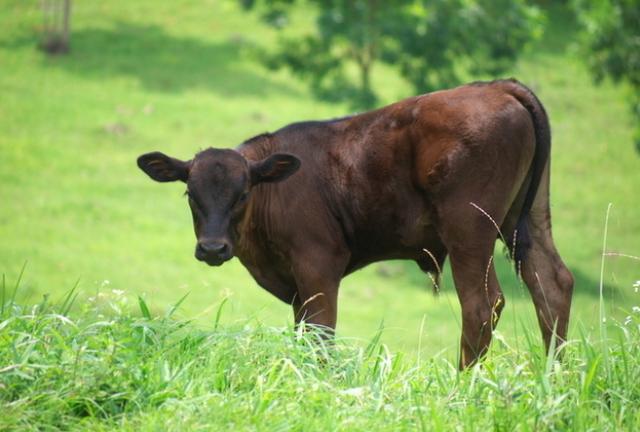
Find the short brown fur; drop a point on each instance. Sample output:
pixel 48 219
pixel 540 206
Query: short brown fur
pixel 423 173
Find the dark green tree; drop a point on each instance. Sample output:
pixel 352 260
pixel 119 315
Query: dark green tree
pixel 612 45
pixel 433 43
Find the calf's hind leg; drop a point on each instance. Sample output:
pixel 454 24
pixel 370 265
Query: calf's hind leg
pixel 548 279
pixel 481 301
pixel 470 242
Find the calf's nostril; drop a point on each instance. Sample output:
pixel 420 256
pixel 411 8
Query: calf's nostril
pixel 200 252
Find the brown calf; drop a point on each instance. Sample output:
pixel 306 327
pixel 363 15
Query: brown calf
pixel 440 172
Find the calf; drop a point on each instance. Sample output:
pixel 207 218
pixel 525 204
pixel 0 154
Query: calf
pixel 445 173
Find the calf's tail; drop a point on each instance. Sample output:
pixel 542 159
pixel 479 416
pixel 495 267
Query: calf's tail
pixel 541 153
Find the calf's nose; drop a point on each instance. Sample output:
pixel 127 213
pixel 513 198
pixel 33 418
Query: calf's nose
pixel 208 250
pixel 216 248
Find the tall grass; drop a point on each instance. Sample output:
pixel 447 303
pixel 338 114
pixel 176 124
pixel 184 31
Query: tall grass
pixel 110 365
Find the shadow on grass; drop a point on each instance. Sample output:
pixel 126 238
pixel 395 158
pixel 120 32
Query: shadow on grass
pixel 165 63
pixel 584 284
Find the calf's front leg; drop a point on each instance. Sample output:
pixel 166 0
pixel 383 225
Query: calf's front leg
pixel 317 280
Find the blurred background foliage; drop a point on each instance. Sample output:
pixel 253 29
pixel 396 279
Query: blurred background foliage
pixel 433 44
pixel 611 45
pixel 436 44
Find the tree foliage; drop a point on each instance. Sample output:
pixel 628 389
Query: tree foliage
pixel 612 45
pixel 432 43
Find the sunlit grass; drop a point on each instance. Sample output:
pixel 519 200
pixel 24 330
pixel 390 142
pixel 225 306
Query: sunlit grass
pixel 110 364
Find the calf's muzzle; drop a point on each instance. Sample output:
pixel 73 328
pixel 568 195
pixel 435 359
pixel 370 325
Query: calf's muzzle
pixel 213 252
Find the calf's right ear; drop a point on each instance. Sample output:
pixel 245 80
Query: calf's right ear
pixel 163 168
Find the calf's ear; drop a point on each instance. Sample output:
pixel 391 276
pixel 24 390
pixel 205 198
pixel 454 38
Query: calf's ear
pixel 275 168
pixel 163 168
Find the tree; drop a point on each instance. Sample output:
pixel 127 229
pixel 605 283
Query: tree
pixel 434 43
pixel 611 41
pixel 57 16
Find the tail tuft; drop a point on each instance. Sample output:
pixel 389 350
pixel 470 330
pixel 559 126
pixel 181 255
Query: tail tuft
pixel 522 241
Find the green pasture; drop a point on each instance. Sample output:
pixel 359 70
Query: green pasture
pixel 181 76
pixel 110 366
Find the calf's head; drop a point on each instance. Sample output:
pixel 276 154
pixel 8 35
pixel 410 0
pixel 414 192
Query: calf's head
pixel 219 183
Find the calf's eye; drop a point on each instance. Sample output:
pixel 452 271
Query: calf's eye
pixel 243 197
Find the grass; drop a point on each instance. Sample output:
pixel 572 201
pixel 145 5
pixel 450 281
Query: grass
pixel 179 77
pixel 107 368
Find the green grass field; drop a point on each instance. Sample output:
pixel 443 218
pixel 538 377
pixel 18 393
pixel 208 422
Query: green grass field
pixel 106 369
pixel 178 77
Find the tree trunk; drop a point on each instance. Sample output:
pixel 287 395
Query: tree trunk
pixel 65 23
pixel 57 19
pixel 368 97
pixel 369 54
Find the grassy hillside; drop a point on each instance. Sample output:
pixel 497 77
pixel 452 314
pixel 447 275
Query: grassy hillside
pixel 106 369
pixel 178 77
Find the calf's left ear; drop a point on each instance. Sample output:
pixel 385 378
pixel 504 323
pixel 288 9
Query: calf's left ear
pixel 275 168
pixel 163 168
